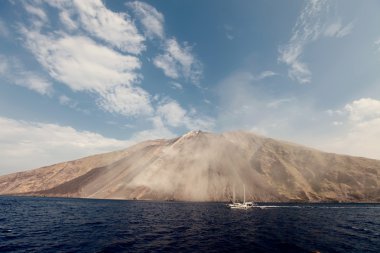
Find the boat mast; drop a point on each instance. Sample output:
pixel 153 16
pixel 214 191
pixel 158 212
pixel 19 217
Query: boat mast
pixel 244 193
pixel 233 194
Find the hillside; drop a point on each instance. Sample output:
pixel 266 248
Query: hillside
pixel 201 166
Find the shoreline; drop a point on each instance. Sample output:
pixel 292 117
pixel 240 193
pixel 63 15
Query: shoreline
pixel 184 201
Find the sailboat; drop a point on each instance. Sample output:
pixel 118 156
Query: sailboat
pixel 237 205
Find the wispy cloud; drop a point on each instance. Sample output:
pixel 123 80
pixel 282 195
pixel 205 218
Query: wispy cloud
pixel 244 105
pixel 172 114
pixel 168 65
pixel 36 12
pixel 337 30
pixel 15 73
pixel 91 67
pixel 4 32
pixel 311 24
pixel 66 101
pixel 116 29
pixel 353 128
pixel 66 20
pixel 276 103
pixel 306 29
pixel 3 65
pixel 229 32
pixel 176 85
pixel 109 65
pixel 150 18
pixel 133 101
pixel 377 44
pixel 177 59
pixel 158 131
pixel 94 67
pixel 108 61
pixel 33 82
pixel 264 75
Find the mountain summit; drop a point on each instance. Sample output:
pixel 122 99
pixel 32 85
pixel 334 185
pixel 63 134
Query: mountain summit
pixel 202 166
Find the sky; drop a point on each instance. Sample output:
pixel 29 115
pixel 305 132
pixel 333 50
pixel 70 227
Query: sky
pixel 84 77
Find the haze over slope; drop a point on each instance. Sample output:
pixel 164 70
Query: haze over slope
pixel 201 166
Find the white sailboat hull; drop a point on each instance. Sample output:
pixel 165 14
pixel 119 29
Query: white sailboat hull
pixel 245 205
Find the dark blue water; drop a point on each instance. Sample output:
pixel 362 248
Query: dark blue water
pixel 80 225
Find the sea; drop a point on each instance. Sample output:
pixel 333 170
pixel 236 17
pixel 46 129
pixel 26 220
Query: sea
pixel 34 224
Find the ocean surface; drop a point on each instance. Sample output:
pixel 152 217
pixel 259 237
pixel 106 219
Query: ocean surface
pixel 29 224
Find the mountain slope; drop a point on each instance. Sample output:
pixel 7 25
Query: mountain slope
pixel 201 166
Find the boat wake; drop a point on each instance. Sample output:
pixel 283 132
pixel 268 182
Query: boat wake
pixel 318 207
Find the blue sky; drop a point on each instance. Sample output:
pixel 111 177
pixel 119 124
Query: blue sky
pixel 85 77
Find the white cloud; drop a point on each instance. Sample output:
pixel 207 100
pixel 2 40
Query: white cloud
pixel 116 29
pixel 90 67
pixel 66 19
pixel 172 114
pixel 167 64
pixel 190 66
pixel 98 68
pixel 353 129
pixel 176 61
pixel 150 18
pixel 22 141
pixel 358 124
pixel 132 101
pixel 364 109
pixel 179 61
pixel 95 66
pixel 35 11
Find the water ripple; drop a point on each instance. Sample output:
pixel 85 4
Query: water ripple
pixel 77 225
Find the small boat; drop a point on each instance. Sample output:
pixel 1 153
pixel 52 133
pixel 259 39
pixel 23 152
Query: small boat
pixel 237 205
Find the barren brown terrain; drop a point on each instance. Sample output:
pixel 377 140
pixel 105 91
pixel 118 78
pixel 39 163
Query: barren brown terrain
pixel 200 166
